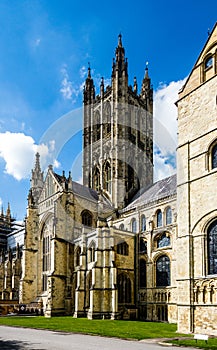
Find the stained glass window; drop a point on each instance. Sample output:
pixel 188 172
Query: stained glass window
pixel 124 289
pixel 142 273
pixel 159 218
pixel 86 218
pixel 208 62
pixel 212 248
pixel 163 241
pixel 143 246
pixel 214 157
pixel 163 271
pixel 168 216
pixel 143 223
pixel 123 248
pixel 134 225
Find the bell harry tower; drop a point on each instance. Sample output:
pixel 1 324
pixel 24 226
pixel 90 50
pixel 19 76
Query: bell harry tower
pixel 118 134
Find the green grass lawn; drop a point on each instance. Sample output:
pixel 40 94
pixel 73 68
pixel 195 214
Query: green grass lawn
pixel 211 344
pixel 121 329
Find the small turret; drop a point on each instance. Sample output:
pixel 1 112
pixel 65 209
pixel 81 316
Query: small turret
pixel 8 213
pixel 70 181
pixel 146 84
pixel 89 89
pixel 135 86
pixel 120 63
pixel 102 87
pixel 37 179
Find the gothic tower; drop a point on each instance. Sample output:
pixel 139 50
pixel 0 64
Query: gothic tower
pixel 118 134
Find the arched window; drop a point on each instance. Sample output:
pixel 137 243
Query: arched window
pixel 96 179
pixel 214 156
pixel 86 217
pixel 208 62
pixel 46 253
pixel 212 248
pixel 96 126
pixel 163 271
pixel 124 289
pixel 134 225
pixel 107 117
pixel 142 273
pixel 123 248
pixel 168 216
pixel 163 241
pixel 143 223
pixel 77 256
pixel 107 174
pixel 91 251
pixel 143 246
pixel 121 227
pixel 159 218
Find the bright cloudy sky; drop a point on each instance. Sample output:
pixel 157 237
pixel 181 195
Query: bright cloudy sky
pixel 45 47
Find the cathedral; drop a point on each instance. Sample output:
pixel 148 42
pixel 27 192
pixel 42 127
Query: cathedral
pixel 121 246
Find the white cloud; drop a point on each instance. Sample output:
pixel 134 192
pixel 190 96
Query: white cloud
pixel 165 128
pixel 68 91
pixel 163 165
pixel 18 151
pixel 37 41
pixel 83 72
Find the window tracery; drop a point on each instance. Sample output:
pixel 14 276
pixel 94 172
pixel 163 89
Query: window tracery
pixel 168 216
pixel 163 271
pixel 212 248
pixel 163 240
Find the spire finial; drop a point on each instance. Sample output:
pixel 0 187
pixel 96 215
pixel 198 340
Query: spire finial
pixel 37 162
pixel 8 211
pixel 89 69
pixel 120 40
pixel 146 70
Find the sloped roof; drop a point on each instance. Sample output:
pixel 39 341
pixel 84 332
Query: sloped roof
pixel 87 193
pixel 159 190
pixel 84 191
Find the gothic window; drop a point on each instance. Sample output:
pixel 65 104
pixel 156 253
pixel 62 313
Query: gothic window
pixel 163 241
pixel 163 271
pixel 143 246
pixel 212 248
pixel 49 186
pixel 121 227
pixel 142 273
pixel 107 174
pixel 107 118
pixel 77 256
pixel 123 248
pixel 86 218
pixel 208 62
pixel 91 250
pixel 96 126
pixel 96 179
pixel 143 223
pixel 46 256
pixel 214 156
pixel 159 218
pixel 168 216
pixel 88 289
pixel 134 225
pixel 124 289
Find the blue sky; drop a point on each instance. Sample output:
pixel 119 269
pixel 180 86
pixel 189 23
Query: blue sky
pixel 45 47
